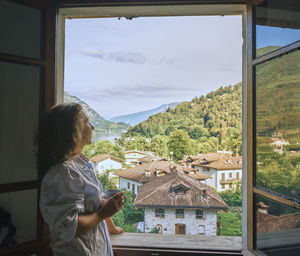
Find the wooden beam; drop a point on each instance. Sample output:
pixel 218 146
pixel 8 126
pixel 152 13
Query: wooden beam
pixel 279 52
pixel 279 199
pixel 20 59
pixel 17 186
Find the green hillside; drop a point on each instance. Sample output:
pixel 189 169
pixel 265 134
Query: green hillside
pixel 218 115
pixel 278 94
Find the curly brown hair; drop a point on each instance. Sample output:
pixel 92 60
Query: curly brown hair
pixel 59 135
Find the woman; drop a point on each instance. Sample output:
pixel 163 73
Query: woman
pixel 71 199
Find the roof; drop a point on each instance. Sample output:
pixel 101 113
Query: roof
pixel 219 161
pixel 101 157
pixel 197 175
pixel 159 192
pixel 146 159
pixel 268 223
pixel 137 173
pixel 148 153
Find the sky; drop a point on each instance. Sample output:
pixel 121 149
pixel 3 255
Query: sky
pixel 120 66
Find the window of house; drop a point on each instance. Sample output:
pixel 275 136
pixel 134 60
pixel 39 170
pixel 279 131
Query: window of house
pixel 179 213
pixel 237 175
pixel 201 229
pixel 223 176
pixel 159 212
pixel 230 175
pixel 128 185
pixel 199 214
pixel 223 186
pixel 133 188
pixel 230 186
pixel 180 191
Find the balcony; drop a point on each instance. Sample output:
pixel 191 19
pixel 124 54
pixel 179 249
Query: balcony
pixel 230 181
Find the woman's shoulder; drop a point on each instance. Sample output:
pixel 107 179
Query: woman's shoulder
pixel 62 170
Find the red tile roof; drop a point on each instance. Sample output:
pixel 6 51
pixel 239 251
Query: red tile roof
pixel 218 161
pixel 268 223
pixel 164 166
pixel 101 157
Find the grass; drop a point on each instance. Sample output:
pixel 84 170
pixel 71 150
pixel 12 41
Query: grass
pixel 231 222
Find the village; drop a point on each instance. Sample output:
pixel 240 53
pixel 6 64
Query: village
pixel 177 198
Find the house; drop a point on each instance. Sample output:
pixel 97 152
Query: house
pixel 278 144
pixel 104 162
pixel 132 157
pixel 131 179
pixel 178 204
pixel 225 169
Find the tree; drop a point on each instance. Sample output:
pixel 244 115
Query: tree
pixel 159 145
pixel 180 144
pixel 103 147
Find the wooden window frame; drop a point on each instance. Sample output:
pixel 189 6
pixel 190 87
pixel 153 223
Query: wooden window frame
pixel 179 215
pixel 160 214
pixel 199 216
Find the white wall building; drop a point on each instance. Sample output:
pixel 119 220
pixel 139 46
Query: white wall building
pixel 105 162
pixel 224 169
pixel 129 185
pixel 132 156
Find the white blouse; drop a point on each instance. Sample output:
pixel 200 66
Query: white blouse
pixel 70 189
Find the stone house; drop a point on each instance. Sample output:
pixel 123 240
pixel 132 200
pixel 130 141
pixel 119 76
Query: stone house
pixel 132 178
pixel 225 169
pixel 178 204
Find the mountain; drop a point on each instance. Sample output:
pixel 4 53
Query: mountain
pixel 138 117
pixel 101 125
pixel 214 115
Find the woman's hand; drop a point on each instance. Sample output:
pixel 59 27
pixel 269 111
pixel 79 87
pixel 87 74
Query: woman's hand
pixel 112 228
pixel 111 205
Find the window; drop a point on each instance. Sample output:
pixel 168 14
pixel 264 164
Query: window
pixel 180 191
pixel 230 175
pixel 179 213
pixel 223 176
pixel 237 175
pixel 128 185
pixel 223 186
pixel 201 229
pixel 133 188
pixel 180 229
pixel 159 213
pixel 230 186
pixel 199 214
pixel 276 195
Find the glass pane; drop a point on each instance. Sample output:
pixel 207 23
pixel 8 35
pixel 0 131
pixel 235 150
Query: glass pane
pixel 278 124
pixel 277 24
pixel 22 208
pixel 277 227
pixel 20 28
pixel 19 111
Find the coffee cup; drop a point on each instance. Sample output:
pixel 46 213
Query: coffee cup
pixel 110 192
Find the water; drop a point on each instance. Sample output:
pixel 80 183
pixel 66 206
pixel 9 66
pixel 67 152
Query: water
pixel 111 136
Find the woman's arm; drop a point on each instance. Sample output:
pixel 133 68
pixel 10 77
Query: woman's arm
pixel 112 228
pixel 108 208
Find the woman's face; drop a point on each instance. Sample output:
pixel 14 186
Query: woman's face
pixel 86 129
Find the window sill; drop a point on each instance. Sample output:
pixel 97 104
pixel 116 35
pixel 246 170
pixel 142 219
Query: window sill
pixel 160 241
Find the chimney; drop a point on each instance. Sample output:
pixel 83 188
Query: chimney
pixel 263 208
pixel 147 173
